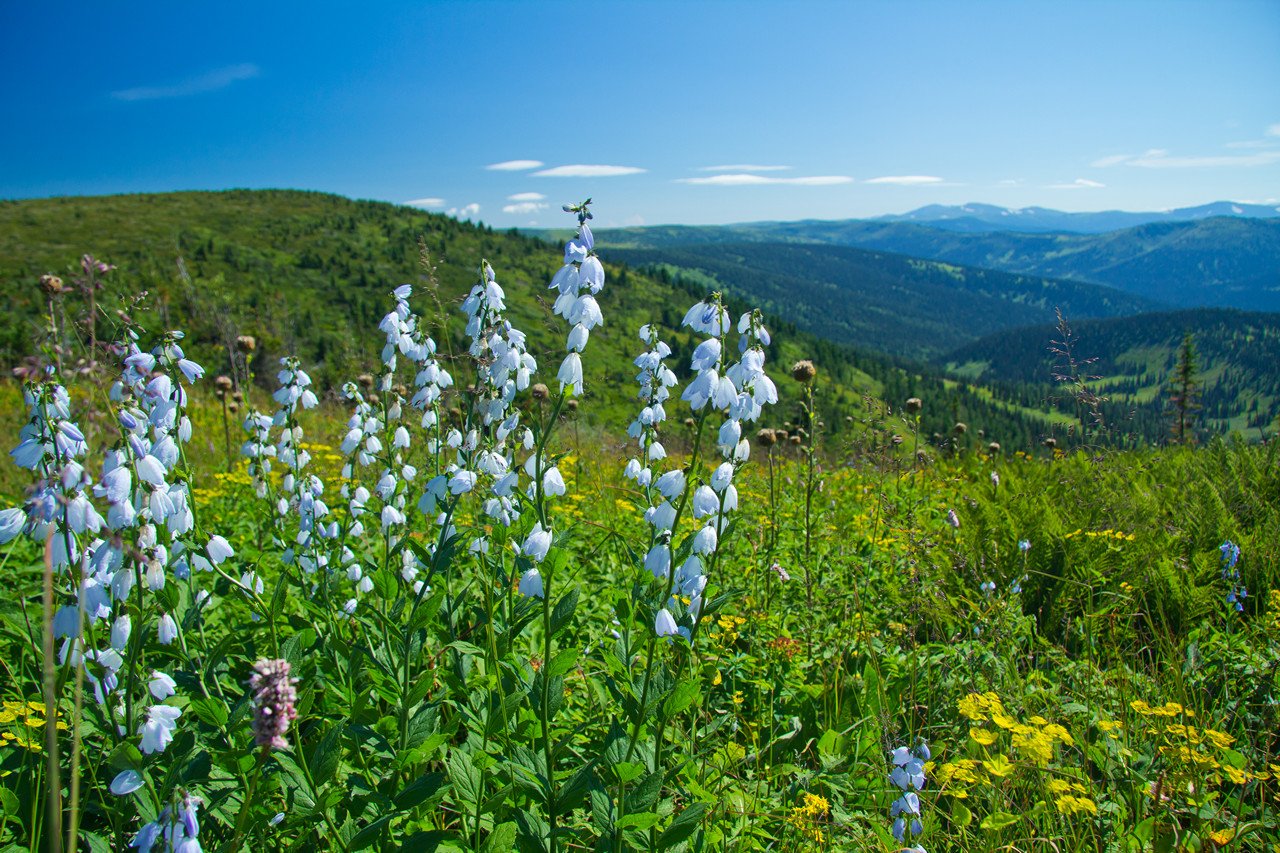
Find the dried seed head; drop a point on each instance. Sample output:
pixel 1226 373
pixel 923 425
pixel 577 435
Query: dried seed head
pixel 223 384
pixel 914 405
pixel 795 439
pixel 233 407
pixel 960 428
pixel 896 440
pixel 689 422
pixel 51 285
pixel 994 447
pixel 803 371
pixel 237 396
pixel 767 437
pixel 1050 442
pixel 246 343
pixel 540 391
pixel 365 380
pixel 572 404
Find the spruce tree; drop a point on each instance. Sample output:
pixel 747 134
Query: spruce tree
pixel 1184 402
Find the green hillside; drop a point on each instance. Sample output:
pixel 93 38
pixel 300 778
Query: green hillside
pixel 887 302
pixel 1222 261
pixel 1238 354
pixel 309 274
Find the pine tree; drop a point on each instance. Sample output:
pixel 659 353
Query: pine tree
pixel 1184 402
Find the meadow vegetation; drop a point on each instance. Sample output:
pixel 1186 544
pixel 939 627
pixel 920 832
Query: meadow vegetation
pixel 445 609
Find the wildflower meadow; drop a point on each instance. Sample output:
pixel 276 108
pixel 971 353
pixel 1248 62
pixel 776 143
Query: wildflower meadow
pixel 427 610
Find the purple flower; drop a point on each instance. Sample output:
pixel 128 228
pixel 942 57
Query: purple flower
pixel 273 702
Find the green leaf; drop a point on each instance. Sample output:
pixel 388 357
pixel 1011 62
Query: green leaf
pixel 420 790
pixel 9 801
pixel 465 779
pixel 999 820
pixel 640 820
pixel 327 756
pixel 501 840
pixel 683 826
pixel 564 661
pixel 564 611
pixel 210 710
pixel 681 698
pixel 367 836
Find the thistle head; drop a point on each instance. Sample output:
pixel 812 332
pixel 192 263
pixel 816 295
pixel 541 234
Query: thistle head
pixel 803 371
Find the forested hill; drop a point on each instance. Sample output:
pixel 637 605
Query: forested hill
pixel 1230 262
pixel 1133 359
pixel 888 302
pixel 310 274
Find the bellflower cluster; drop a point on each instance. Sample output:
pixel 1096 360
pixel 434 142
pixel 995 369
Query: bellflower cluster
pixel 177 824
pixel 1236 591
pixel 577 284
pixel 908 776
pixel 301 493
pixel 739 393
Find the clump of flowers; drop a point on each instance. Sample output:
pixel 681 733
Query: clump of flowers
pixel 808 817
pixel 1034 740
pixel 1236 591
pixel 273 702
pixel 908 775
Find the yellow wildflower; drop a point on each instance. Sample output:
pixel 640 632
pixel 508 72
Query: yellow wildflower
pixel 986 737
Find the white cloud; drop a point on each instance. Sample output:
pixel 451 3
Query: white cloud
pixel 524 207
pixel 526 197
pixel 1274 129
pixel 425 202
pixel 744 180
pixel 1077 184
pixel 1009 182
pixel 1112 160
pixel 579 170
pixel 744 168
pixel 1159 158
pixel 211 81
pixel 465 212
pixel 906 180
pixel 514 165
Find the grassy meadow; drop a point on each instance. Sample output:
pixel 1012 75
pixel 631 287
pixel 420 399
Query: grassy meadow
pixel 883 643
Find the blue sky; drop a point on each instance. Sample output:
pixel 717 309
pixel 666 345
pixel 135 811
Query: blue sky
pixel 856 108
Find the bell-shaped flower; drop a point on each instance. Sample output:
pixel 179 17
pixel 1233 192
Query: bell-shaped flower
pixel 705 540
pixel 706 355
pixel 658 561
pixel 158 730
pixel 537 544
pixel 705 502
pixel 126 782
pixel 570 375
pixel 531 584
pixel 664 624
pixel 161 685
pixel 671 484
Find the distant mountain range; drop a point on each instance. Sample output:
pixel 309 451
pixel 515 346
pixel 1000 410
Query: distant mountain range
pixel 987 217
pixel 1224 261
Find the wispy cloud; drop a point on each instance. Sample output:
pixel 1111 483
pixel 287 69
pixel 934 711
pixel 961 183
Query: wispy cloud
pixel 580 170
pixel 526 197
pixel 1159 158
pixel 1274 129
pixel 514 165
pixel 744 180
pixel 1009 182
pixel 1077 184
pixel 425 202
pixel 465 212
pixel 906 180
pixel 744 168
pixel 524 207
pixel 219 78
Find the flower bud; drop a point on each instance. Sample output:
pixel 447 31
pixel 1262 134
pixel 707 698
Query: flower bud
pixel 914 405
